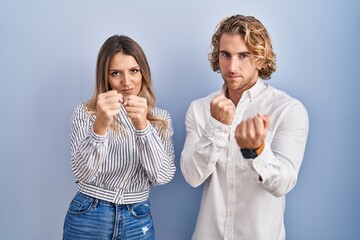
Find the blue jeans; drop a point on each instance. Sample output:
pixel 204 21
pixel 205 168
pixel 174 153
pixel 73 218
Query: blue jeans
pixel 91 218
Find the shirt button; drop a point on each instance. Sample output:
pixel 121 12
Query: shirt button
pixel 231 186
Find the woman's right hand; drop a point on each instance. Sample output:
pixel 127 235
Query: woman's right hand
pixel 107 106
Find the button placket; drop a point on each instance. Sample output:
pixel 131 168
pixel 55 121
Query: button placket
pixel 230 171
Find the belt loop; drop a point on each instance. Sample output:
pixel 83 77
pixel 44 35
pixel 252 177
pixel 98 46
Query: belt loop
pixel 129 207
pixel 95 203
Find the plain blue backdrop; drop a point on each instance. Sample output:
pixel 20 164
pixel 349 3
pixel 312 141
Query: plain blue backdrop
pixel 48 52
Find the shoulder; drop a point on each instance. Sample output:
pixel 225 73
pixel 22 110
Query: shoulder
pixel 204 101
pixel 286 102
pixel 161 113
pixel 200 108
pixel 281 96
pixel 81 108
pixel 81 111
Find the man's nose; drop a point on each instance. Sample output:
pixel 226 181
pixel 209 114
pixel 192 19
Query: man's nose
pixel 233 64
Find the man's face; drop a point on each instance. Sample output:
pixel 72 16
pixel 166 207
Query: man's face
pixel 235 63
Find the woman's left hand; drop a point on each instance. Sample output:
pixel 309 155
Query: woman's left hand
pixel 136 108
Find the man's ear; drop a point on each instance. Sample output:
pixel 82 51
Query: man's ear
pixel 259 66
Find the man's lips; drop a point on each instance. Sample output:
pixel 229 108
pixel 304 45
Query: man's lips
pixel 233 76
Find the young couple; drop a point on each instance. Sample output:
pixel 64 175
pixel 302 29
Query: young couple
pixel 245 143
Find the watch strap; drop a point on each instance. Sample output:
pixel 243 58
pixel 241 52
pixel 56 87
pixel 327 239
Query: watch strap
pixel 252 153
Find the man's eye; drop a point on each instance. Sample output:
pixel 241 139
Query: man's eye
pixel 224 55
pixel 244 55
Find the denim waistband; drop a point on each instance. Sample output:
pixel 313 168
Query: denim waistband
pixel 100 201
pixel 94 199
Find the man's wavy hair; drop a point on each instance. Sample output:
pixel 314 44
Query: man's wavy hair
pixel 256 38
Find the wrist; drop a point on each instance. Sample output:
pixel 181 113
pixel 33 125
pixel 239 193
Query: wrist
pixel 252 153
pixel 141 127
pixel 99 129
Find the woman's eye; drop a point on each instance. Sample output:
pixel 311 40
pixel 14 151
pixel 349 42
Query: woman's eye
pixel 115 74
pixel 135 70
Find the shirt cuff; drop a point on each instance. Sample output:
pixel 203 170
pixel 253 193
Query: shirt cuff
pixel 218 131
pixel 218 134
pixel 145 131
pixel 96 137
pixel 261 162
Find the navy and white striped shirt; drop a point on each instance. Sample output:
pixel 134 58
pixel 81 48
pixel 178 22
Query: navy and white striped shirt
pixel 120 167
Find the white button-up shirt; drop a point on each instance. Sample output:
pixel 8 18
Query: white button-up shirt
pixel 236 203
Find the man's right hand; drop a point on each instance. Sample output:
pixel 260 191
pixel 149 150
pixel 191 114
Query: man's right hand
pixel 222 109
pixel 107 106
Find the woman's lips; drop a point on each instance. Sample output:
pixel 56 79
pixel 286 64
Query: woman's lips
pixel 127 91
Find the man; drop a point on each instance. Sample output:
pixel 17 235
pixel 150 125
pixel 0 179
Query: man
pixel 245 142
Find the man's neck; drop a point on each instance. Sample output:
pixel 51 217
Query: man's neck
pixel 234 97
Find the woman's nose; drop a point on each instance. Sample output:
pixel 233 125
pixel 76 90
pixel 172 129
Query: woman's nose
pixel 125 80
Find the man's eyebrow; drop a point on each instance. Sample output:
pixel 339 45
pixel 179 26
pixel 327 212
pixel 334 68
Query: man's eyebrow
pixel 224 51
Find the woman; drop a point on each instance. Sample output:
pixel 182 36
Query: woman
pixel 121 144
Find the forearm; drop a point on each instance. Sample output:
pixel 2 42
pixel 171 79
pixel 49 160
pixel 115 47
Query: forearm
pixel 279 163
pixel 198 163
pixel 201 153
pixel 276 174
pixel 88 155
pixel 156 155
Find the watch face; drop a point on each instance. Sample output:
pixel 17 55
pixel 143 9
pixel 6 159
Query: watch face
pixel 248 153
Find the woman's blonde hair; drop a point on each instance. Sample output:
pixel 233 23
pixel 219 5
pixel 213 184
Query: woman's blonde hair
pixel 256 38
pixel 127 46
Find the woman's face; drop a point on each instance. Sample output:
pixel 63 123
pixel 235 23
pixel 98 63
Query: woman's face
pixel 124 74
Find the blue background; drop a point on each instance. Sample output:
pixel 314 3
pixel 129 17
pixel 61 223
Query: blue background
pixel 48 52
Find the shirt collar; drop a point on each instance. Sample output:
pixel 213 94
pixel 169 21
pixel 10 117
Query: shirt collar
pixel 251 93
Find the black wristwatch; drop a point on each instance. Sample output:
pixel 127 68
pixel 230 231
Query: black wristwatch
pixel 251 153
pixel 248 153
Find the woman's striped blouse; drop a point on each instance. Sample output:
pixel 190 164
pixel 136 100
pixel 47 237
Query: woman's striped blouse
pixel 121 166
